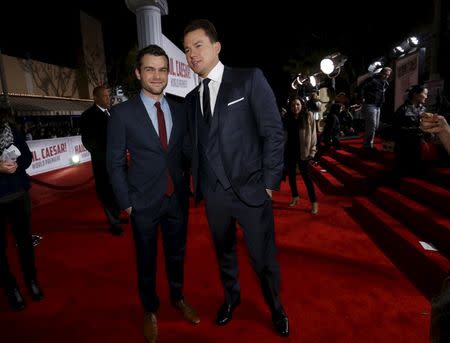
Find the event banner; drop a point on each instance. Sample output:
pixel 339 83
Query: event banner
pixel 406 75
pixel 56 153
pixel 181 78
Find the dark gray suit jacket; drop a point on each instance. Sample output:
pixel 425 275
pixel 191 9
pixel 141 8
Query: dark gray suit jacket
pixel 142 182
pixel 250 134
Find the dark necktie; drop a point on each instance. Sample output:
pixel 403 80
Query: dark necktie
pixel 163 139
pixel 207 115
pixel 107 113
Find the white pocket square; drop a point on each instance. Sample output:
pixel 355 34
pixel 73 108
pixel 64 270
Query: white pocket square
pixel 235 101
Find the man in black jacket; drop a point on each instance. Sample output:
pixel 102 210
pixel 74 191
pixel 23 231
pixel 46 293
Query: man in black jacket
pixel 93 127
pixel 237 161
pixel 372 98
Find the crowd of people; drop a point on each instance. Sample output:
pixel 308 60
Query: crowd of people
pixel 46 127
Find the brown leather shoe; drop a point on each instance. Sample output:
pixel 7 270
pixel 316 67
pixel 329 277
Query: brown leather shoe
pixel 150 328
pixel 188 312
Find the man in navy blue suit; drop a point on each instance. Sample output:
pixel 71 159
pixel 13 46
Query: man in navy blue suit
pixel 237 161
pixel 151 187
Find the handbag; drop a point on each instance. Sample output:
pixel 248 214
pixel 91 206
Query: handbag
pixel 440 315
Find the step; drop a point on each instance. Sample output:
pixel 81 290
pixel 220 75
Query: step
pixel 353 180
pixel 440 176
pixel 367 167
pixel 427 193
pixel 326 181
pixel 385 157
pixel 426 269
pixel 426 222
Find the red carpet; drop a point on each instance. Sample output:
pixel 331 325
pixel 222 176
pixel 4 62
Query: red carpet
pixel 336 284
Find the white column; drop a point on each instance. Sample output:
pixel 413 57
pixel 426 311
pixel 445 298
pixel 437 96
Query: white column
pixel 148 20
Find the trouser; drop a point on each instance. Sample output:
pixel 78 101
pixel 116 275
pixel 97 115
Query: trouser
pixel 223 209
pixel 172 218
pixel 304 171
pixel 18 213
pixel 105 192
pixel 372 118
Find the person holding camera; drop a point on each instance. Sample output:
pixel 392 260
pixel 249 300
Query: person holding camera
pixel 436 124
pixel 15 207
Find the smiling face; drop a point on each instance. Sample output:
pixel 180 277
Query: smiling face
pixel 296 106
pixel 153 74
pixel 202 54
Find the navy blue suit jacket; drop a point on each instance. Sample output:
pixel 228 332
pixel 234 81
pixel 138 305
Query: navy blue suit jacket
pixel 250 134
pixel 142 182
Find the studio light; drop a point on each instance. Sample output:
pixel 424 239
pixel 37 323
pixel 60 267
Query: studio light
pixel 405 47
pixel 332 63
pixel 413 41
pixel 327 66
pixel 300 80
pixel 399 48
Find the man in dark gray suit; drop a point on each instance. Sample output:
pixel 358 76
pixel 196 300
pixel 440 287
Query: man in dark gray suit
pixel 152 189
pixel 237 160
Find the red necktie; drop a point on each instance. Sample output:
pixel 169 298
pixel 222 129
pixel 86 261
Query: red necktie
pixel 163 139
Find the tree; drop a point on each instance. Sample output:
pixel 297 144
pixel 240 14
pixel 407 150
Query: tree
pixel 51 79
pixel 94 66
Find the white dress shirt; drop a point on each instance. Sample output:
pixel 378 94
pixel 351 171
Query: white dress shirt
pixel 216 79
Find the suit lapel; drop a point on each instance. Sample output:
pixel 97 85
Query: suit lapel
pixel 175 125
pixel 221 108
pixel 197 114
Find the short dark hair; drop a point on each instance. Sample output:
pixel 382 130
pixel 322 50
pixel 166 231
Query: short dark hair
pixel 97 90
pixel 416 89
pixel 205 25
pixel 152 49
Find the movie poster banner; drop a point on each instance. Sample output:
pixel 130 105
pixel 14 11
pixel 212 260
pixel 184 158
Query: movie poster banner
pixel 56 153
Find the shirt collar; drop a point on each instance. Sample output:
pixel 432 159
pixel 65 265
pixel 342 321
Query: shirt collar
pixel 216 73
pixel 103 109
pixel 151 102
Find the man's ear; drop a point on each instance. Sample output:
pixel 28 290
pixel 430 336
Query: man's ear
pixel 217 47
pixel 137 73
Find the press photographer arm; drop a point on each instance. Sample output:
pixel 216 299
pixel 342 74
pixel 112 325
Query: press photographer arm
pixel 437 124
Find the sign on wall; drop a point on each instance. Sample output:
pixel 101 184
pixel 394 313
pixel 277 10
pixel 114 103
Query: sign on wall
pixel 55 153
pixel 181 77
pixel 406 75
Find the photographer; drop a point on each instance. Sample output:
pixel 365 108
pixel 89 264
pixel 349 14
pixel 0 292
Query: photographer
pixel 15 207
pixel 433 123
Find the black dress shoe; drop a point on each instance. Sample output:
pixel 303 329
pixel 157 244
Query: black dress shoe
pixel 15 299
pixel 225 312
pixel 35 290
pixel 281 323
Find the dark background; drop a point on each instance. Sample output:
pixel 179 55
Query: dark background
pixel 268 35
